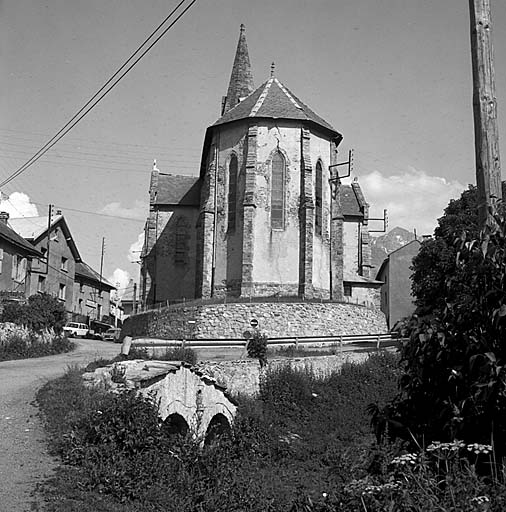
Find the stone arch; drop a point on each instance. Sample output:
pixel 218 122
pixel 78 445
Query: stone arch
pixel 176 424
pixel 218 426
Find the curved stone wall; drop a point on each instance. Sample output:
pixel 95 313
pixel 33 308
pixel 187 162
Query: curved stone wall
pixel 229 321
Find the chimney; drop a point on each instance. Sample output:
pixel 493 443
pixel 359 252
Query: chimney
pixel 4 217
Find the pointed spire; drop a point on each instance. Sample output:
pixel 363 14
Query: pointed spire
pixel 241 78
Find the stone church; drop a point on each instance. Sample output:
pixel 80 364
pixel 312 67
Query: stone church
pixel 268 214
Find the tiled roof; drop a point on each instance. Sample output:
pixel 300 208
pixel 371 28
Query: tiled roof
pixel 349 202
pixel 273 100
pixel 8 234
pixel 84 270
pixel 177 189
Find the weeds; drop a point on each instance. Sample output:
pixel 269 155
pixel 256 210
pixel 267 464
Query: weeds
pixel 298 441
pixel 17 342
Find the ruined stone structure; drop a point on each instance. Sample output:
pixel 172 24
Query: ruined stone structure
pixel 268 214
pixel 189 401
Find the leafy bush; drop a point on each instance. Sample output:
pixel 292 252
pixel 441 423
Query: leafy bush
pixel 257 347
pixel 454 382
pixel 43 311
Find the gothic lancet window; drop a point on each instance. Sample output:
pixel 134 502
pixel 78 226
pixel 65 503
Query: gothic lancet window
pixel 318 217
pixel 277 191
pixel 232 193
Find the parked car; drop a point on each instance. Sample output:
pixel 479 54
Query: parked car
pixel 112 334
pixel 76 329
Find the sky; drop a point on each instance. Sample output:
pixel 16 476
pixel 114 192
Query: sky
pixel 393 76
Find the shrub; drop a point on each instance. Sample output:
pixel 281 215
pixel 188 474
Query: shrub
pixel 43 311
pixel 19 342
pixel 257 347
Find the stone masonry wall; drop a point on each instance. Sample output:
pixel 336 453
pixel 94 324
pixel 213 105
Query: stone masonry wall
pixel 229 321
pixel 243 377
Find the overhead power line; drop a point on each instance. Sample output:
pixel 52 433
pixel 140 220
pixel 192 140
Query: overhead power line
pixel 104 90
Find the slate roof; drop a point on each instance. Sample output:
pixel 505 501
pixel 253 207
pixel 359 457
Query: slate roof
pixel 241 78
pixel 349 202
pixel 33 228
pixel 177 189
pixel 84 270
pixel 8 234
pixel 273 100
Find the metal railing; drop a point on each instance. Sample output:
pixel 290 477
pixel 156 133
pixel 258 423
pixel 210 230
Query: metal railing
pixel 351 340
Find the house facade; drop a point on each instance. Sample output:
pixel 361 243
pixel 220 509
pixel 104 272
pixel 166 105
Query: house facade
pixel 92 294
pixel 16 259
pixel 397 301
pixel 267 215
pixel 59 269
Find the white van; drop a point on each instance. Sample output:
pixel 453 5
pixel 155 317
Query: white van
pixel 75 329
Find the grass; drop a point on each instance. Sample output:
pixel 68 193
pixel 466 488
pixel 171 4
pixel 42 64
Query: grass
pixel 305 444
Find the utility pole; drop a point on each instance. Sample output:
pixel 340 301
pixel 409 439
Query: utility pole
pixel 486 134
pixel 134 305
pixel 101 270
pixel 49 222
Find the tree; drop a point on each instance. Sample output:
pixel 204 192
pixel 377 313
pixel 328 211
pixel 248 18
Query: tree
pixel 437 256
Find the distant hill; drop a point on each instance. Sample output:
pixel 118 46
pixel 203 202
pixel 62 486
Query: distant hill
pixel 382 246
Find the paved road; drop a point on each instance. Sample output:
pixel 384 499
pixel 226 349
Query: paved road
pixel 23 458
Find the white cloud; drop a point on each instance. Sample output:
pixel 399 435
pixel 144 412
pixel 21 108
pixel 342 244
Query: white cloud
pixel 134 253
pixel 139 210
pixel 413 199
pixel 120 278
pixel 18 204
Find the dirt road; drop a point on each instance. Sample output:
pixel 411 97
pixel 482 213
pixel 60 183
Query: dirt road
pixel 23 458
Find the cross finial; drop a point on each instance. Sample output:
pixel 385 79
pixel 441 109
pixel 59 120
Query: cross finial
pixel 273 67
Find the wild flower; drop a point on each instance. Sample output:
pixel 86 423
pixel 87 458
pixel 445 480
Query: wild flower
pixel 437 446
pixel 479 448
pixel 364 487
pixel 480 503
pixel 406 459
pixel 480 500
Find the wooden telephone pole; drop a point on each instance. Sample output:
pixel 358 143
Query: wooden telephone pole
pixel 486 134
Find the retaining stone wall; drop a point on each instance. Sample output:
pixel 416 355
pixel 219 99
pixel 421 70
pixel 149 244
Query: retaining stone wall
pixel 242 377
pixel 229 321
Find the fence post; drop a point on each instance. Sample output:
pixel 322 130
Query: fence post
pixel 341 347
pixel 296 343
pixel 378 342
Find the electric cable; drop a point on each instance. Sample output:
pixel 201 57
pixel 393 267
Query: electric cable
pixel 85 109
